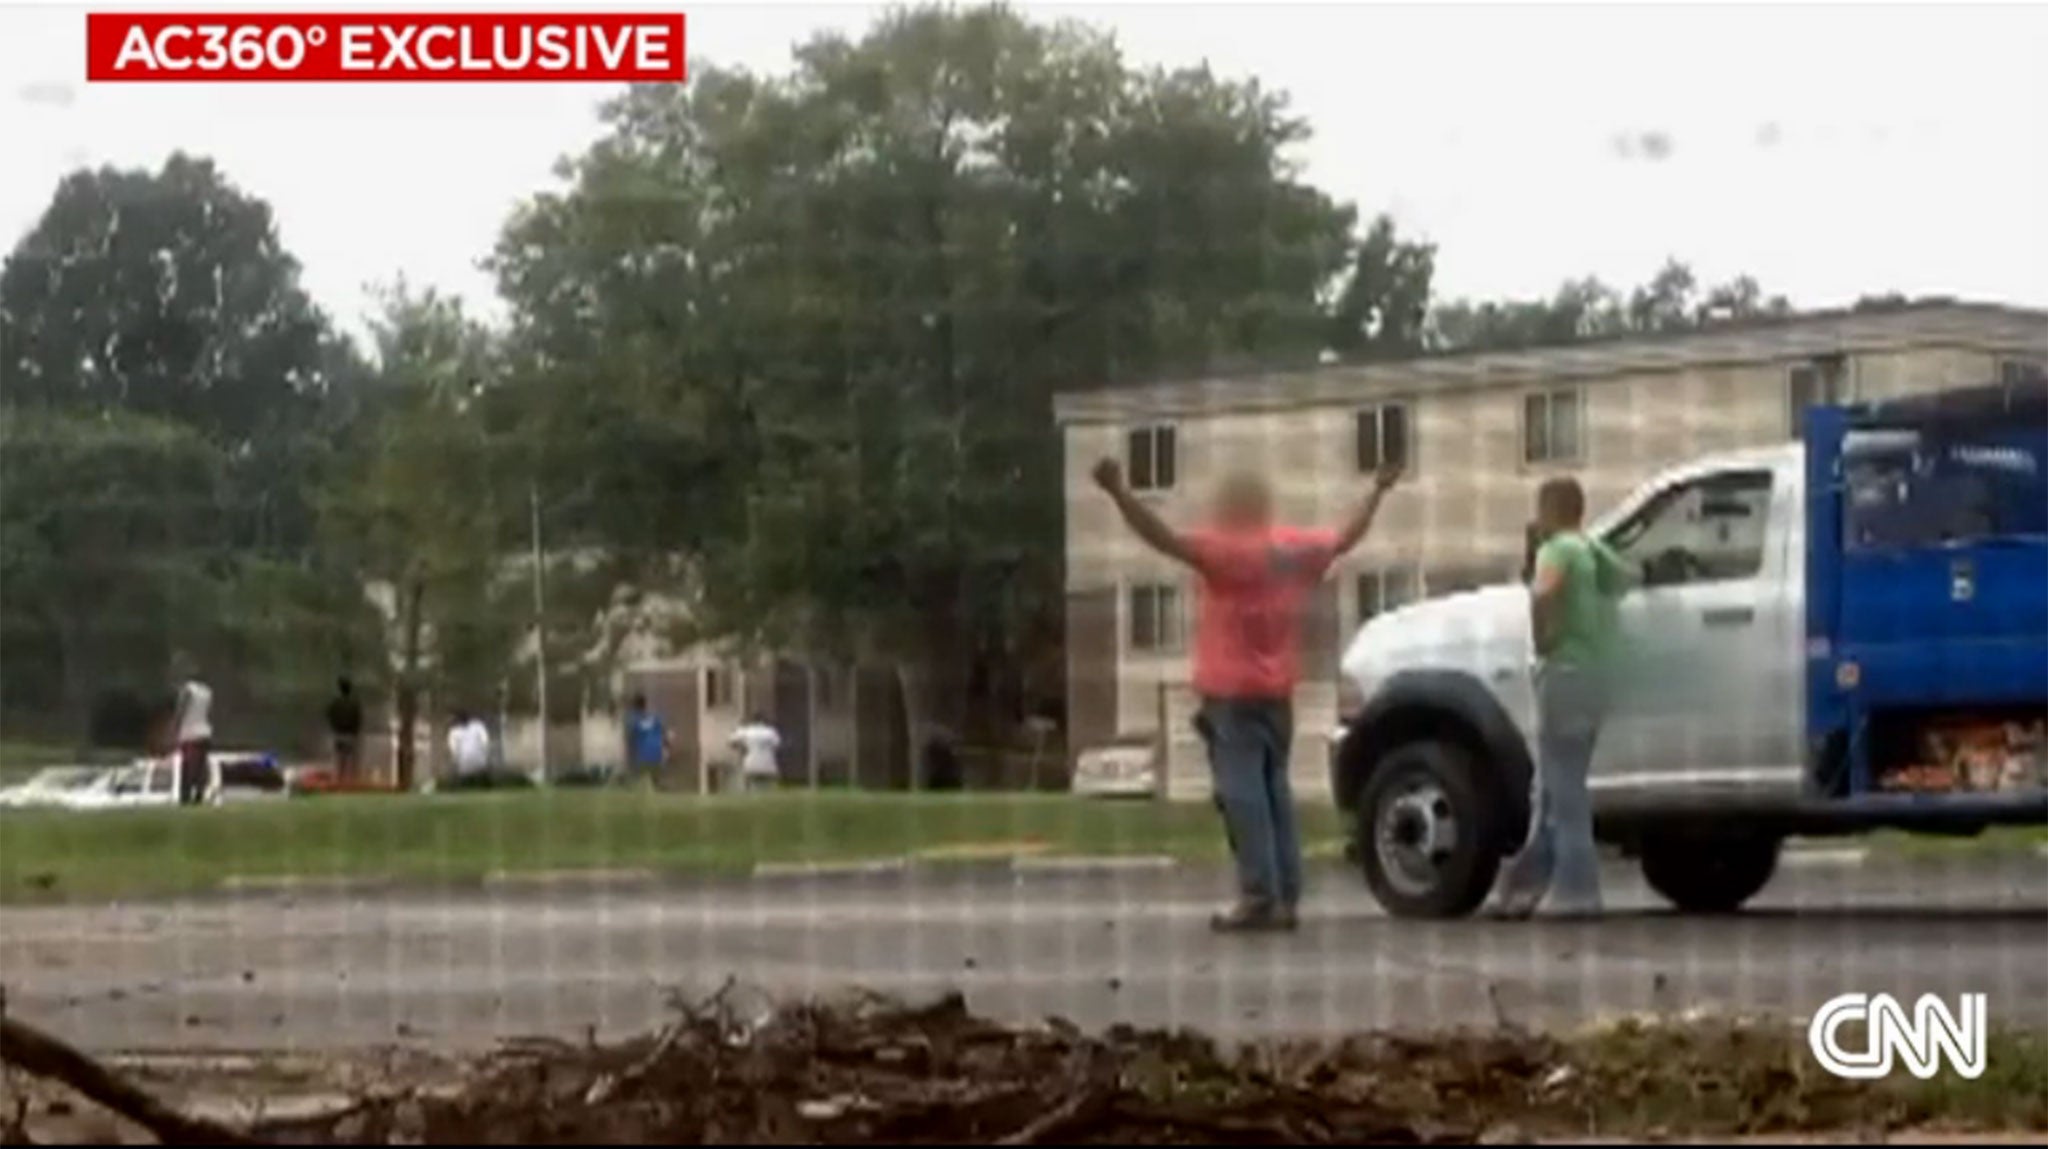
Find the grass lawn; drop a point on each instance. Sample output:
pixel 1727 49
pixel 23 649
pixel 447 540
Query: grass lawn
pixel 47 856
pixel 450 837
pixel 1996 840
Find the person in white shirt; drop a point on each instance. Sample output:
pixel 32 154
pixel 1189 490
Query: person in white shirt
pixel 192 727
pixel 469 746
pixel 757 742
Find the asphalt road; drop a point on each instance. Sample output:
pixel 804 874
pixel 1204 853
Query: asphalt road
pixel 460 970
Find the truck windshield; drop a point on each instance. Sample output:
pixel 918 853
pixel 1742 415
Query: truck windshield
pixel 1907 490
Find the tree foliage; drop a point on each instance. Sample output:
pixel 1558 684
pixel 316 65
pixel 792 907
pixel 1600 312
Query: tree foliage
pixel 421 506
pixel 106 527
pixel 169 294
pixel 818 318
pixel 166 294
pixel 167 391
pixel 784 347
pixel 1382 310
pixel 1587 309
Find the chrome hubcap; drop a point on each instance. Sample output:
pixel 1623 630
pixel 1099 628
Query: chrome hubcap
pixel 1415 833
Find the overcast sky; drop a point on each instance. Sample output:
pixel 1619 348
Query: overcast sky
pixel 1830 150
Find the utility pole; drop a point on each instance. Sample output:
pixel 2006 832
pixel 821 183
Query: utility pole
pixel 540 628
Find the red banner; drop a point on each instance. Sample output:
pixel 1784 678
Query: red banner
pixel 463 47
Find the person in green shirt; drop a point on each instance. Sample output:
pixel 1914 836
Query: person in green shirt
pixel 1574 587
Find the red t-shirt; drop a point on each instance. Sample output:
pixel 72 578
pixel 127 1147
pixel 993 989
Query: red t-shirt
pixel 1248 607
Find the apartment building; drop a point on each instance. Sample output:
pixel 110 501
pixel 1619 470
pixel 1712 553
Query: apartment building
pixel 1477 432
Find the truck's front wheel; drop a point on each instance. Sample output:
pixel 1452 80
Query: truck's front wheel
pixel 1709 874
pixel 1426 835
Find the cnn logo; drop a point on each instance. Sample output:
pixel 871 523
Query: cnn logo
pixel 1921 1039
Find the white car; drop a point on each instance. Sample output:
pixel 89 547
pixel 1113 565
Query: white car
pixel 50 786
pixel 147 782
pixel 1126 768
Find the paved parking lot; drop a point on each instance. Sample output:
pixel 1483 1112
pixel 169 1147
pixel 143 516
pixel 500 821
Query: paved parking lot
pixel 460 970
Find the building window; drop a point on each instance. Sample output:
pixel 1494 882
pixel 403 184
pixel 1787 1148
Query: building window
pixel 1815 384
pixel 1551 425
pixel 1383 590
pixel 718 688
pixel 1156 622
pixel 1384 438
pixel 1152 458
pixel 2012 372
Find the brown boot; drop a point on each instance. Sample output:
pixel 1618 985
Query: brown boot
pixel 1250 917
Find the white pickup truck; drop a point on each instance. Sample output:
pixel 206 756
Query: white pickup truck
pixel 145 783
pixel 1435 764
pixel 1822 638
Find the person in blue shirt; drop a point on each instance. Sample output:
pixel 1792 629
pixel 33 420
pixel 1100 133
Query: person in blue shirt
pixel 646 742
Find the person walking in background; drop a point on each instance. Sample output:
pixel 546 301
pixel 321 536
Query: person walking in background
pixel 1573 590
pixel 647 742
pixel 192 731
pixel 1254 579
pixel 345 729
pixel 758 743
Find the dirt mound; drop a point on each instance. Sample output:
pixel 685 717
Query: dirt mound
pixel 869 1069
pixel 873 1070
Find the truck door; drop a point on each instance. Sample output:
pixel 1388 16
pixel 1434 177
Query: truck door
pixel 1703 702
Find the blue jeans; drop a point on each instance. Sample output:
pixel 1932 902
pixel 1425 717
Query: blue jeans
pixel 1558 857
pixel 1248 743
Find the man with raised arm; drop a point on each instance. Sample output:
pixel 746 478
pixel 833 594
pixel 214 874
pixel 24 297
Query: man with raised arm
pixel 1254 577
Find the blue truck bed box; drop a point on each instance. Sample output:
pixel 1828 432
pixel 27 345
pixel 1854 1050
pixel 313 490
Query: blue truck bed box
pixel 1926 589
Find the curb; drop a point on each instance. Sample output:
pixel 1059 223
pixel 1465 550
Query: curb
pixel 1841 856
pixel 1020 865
pixel 1105 864
pixel 289 884
pixel 547 878
pixel 830 869
pixel 1000 853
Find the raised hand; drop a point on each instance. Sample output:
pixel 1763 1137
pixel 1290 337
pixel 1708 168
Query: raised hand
pixel 1109 475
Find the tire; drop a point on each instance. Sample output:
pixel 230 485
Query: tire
pixel 1709 874
pixel 1410 875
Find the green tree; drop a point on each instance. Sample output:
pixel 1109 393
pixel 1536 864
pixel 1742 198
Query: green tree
pixel 109 556
pixel 835 305
pixel 163 374
pixel 160 293
pixel 1588 309
pixel 169 294
pixel 421 509
pixel 1382 310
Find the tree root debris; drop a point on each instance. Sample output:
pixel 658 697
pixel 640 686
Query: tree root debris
pixel 870 1070
pixel 30 1050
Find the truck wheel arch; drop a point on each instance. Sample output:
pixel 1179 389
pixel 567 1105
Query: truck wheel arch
pixel 1437 705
